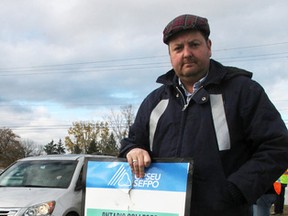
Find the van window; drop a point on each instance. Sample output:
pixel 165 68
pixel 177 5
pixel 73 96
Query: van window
pixel 42 173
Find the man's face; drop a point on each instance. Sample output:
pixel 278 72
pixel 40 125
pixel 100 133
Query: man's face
pixel 190 55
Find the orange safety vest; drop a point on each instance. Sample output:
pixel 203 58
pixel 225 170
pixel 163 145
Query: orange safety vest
pixel 277 187
pixel 283 179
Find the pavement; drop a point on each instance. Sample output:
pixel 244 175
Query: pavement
pixel 285 213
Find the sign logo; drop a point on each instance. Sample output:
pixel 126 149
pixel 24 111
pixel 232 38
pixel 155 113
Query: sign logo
pixel 121 178
pixel 119 175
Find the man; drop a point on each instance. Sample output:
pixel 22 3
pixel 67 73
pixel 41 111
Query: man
pixel 215 114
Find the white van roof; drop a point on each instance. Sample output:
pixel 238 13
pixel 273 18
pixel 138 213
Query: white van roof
pixel 64 157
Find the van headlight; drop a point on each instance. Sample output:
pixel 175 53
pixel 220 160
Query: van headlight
pixel 42 209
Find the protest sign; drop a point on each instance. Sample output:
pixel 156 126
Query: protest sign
pixel 112 190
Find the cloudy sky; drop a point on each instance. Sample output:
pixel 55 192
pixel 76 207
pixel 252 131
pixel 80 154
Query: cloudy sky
pixel 76 60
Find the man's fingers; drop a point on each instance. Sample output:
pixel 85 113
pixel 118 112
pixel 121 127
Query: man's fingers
pixel 138 159
pixel 147 160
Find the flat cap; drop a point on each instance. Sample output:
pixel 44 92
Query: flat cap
pixel 186 22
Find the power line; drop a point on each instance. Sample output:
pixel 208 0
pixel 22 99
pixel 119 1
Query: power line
pixel 133 63
pixel 138 66
pixel 95 66
pixel 252 46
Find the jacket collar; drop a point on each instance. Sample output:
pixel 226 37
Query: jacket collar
pixel 217 74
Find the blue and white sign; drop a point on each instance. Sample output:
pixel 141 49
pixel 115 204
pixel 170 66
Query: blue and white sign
pixel 112 189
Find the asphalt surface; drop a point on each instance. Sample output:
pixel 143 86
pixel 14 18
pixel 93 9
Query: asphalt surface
pixel 285 213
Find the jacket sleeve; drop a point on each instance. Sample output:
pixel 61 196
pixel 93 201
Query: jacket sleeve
pixel 267 134
pixel 138 136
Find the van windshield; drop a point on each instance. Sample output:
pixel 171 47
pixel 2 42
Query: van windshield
pixel 42 173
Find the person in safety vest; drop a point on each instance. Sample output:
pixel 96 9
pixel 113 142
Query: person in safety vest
pixel 279 203
pixel 216 115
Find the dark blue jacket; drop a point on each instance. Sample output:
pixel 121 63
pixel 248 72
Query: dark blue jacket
pixel 233 132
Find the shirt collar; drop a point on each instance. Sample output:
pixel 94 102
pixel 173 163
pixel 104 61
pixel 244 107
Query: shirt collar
pixel 196 85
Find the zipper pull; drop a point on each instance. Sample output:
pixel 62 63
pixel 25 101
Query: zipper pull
pixel 184 107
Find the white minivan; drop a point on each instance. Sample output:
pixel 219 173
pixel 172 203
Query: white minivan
pixel 48 185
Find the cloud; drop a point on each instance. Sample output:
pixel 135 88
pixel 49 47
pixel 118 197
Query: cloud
pixel 69 60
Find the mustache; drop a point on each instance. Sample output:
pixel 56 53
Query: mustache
pixel 188 60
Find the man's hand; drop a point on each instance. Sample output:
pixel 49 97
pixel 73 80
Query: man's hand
pixel 138 159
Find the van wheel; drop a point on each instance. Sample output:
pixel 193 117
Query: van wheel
pixel 72 214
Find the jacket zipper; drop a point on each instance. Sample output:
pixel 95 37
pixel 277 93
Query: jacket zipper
pixel 183 99
pixel 185 102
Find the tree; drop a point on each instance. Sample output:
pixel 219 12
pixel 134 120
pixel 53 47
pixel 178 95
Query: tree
pixel 10 147
pixel 53 148
pixel 120 122
pixel 76 149
pixel 81 135
pixel 90 137
pixel 110 147
pixel 50 148
pixel 31 149
pixel 60 148
pixel 104 135
pixel 28 147
pixel 93 148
